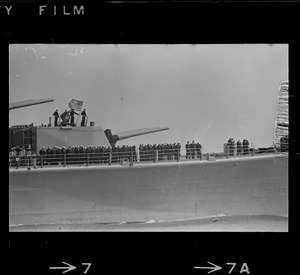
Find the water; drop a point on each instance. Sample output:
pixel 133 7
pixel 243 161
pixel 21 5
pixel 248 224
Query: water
pixel 263 223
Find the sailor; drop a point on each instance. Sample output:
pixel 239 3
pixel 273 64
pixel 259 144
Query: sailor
pixel 83 115
pixel 134 153
pixel 198 150
pixel 228 147
pixel 72 117
pixel 245 146
pixel 65 117
pixel 284 140
pixel 169 151
pixel 239 147
pixel 232 146
pixel 17 150
pixel 188 150
pixel 193 149
pixel 177 146
pixel 56 116
pixel 159 149
pixel 42 151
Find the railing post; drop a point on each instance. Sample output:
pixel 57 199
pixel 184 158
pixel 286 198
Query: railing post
pixel 155 154
pixel 28 160
pixel 87 159
pixel 131 157
pixel 34 160
pixel 41 161
pixel 227 151
pixel 110 157
pixel 65 159
pixel 252 150
pixel 138 154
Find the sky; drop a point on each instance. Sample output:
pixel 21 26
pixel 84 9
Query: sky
pixel 207 93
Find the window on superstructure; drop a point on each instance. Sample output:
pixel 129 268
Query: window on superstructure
pixel 28 138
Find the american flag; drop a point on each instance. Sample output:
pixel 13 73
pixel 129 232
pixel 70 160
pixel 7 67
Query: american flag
pixel 75 104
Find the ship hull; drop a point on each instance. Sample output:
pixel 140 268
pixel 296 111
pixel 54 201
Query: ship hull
pixel 160 191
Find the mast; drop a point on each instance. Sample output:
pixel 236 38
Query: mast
pixel 282 114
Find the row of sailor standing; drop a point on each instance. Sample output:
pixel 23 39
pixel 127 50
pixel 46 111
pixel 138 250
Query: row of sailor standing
pixel 166 151
pixel 18 156
pixel 67 118
pixel 193 150
pixel 100 154
pixel 241 148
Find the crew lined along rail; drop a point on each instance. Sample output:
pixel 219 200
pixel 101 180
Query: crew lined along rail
pixel 58 156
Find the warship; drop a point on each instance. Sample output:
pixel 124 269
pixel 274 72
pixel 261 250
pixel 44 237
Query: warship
pixel 136 192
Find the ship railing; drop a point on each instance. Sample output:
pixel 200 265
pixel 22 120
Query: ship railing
pixel 94 158
pixel 133 156
pixel 155 155
pixel 21 160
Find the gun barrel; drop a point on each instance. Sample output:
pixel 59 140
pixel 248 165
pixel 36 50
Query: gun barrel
pixel 139 132
pixel 26 103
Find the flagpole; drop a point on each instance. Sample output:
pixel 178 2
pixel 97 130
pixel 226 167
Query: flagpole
pixel 73 104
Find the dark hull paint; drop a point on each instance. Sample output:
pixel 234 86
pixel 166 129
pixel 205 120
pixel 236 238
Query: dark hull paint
pixel 161 191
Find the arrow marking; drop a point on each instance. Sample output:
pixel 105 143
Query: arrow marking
pixel 68 268
pixel 214 267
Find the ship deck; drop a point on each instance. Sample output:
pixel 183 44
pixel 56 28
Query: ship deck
pixel 127 164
